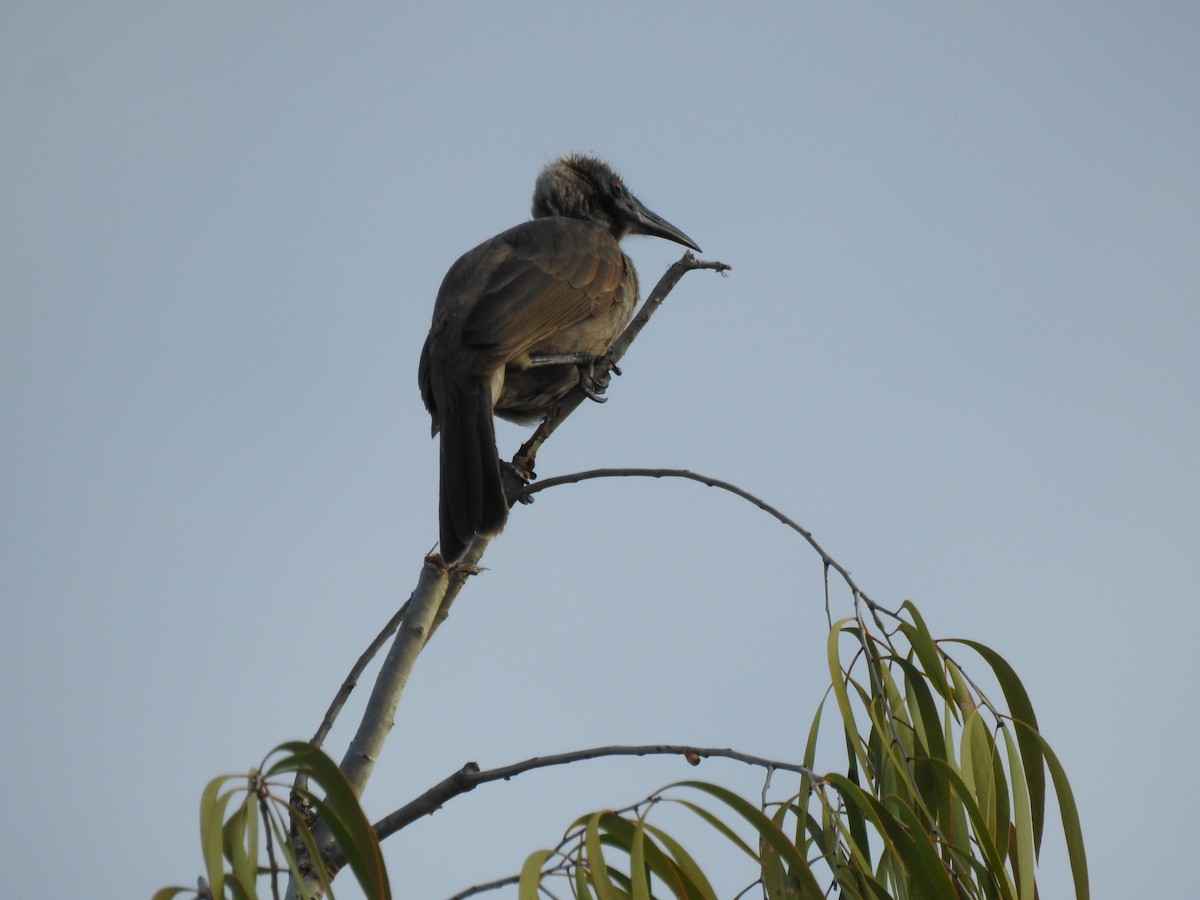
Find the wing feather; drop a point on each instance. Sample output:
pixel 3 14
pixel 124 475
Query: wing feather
pixel 558 273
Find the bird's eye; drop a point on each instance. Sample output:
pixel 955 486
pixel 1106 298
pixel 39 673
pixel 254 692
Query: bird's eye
pixel 617 188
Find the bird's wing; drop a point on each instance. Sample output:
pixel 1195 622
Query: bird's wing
pixel 555 273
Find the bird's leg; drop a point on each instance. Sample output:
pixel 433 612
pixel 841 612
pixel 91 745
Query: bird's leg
pixel 594 371
pixel 522 463
pixel 594 374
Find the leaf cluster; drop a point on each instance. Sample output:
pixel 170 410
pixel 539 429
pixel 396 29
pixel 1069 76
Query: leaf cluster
pixel 241 815
pixel 942 793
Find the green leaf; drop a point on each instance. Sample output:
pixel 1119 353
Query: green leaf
pixel 251 840
pixel 806 785
pixel 639 883
pixel 774 877
pixel 848 819
pixel 624 835
pixel 818 835
pixel 238 889
pixel 341 813
pixel 531 875
pixel 1024 844
pixel 977 752
pixel 893 833
pixel 597 868
pixel 962 694
pixel 725 831
pixel 919 638
pixel 282 842
pixel 582 891
pixel 923 711
pixel 992 854
pixel 695 880
pixel 837 680
pixel 1002 813
pixel 800 874
pixel 1069 812
pixel 212 833
pixel 930 744
pixel 240 840
pixel 1021 709
pixel 922 861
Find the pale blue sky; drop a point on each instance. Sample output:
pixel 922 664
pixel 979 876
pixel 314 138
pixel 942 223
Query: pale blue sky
pixel 959 343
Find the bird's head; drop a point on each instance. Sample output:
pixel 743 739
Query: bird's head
pixel 583 187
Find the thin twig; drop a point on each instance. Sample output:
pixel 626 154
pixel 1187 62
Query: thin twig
pixel 380 714
pixel 485 887
pixel 348 686
pixel 709 481
pixel 355 673
pixel 524 458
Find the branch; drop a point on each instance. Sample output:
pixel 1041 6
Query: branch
pixel 380 713
pixel 351 681
pixel 484 888
pixel 568 404
pixel 469 776
pixel 514 487
pixel 829 561
pixel 438 586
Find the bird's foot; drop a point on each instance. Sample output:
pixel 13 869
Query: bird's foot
pixel 595 372
pixel 515 476
pixel 595 376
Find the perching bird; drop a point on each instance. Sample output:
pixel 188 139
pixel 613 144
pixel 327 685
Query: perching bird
pixel 518 323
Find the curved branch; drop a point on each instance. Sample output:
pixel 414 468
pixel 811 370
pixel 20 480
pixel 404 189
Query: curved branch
pixel 470 776
pixel 709 481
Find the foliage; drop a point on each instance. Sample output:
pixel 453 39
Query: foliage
pixel 232 838
pixel 943 794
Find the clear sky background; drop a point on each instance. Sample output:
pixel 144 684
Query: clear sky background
pixel 959 343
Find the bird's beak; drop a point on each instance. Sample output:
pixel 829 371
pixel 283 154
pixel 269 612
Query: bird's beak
pixel 653 224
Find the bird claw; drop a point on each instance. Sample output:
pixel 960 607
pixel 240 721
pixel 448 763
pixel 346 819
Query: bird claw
pixel 594 378
pixel 594 371
pixel 520 469
pixel 515 476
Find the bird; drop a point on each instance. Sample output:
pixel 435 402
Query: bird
pixel 519 322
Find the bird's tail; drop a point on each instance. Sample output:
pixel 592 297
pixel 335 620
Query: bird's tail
pixel 471 495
